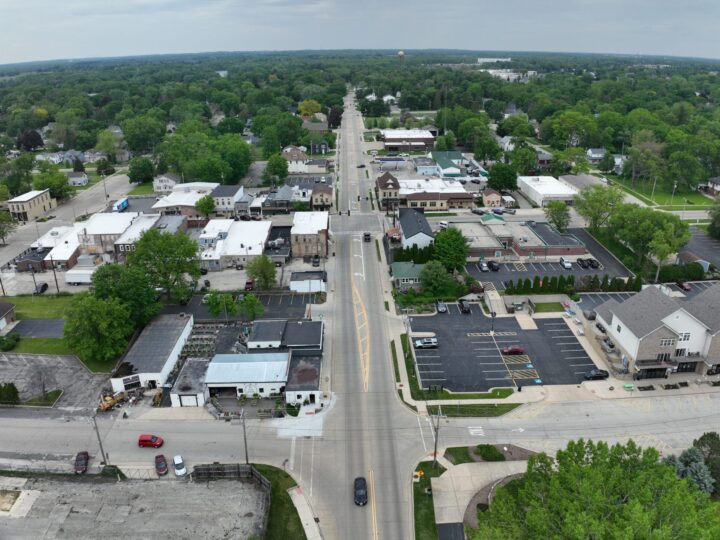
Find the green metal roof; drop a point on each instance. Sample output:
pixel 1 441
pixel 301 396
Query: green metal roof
pixel 406 270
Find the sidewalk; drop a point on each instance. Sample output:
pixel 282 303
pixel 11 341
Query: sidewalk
pixel 307 517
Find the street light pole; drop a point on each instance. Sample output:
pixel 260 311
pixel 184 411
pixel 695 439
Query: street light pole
pixel 52 262
pixel 242 417
pixel 102 450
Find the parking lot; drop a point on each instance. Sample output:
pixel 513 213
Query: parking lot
pixel 528 270
pixel 136 509
pixel 469 356
pixel 278 305
pixel 704 246
pixel 30 371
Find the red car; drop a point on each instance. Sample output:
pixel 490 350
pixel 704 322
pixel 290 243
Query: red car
pixel 515 349
pixel 81 462
pixel 152 441
pixel 684 285
pixel 161 465
pixel 249 285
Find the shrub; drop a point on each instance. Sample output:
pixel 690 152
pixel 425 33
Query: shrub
pixel 7 343
pixel 9 394
pixel 672 272
pixel 489 453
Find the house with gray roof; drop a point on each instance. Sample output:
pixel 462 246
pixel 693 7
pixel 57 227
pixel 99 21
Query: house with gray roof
pixel 406 275
pixel 658 334
pixel 414 228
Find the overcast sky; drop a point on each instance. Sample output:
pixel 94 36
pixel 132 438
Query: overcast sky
pixel 50 29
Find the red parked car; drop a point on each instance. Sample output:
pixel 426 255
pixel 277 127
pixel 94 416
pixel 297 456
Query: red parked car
pixel 81 462
pixel 161 465
pixel 151 441
pixel 515 349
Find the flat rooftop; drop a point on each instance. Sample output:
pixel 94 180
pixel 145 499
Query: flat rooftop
pixel 310 222
pixel 547 186
pixel 25 197
pixel 553 237
pixel 155 343
pixel 403 134
pixel 519 232
pixel 112 223
pixel 430 185
pixel 191 379
pixel 478 235
pixel 133 233
pixel 251 367
pixel 303 334
pixel 267 331
pixel 304 374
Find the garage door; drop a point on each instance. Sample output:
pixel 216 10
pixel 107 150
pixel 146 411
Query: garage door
pixel 188 401
pixel 3 323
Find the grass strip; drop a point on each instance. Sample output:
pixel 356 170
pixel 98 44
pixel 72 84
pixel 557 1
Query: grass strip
pixel 283 521
pixel 396 366
pixel 424 512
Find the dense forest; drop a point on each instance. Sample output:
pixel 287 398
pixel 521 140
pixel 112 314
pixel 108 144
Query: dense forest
pixel 659 112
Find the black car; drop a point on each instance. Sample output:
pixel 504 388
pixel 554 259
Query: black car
pixel 464 306
pixel 360 491
pixel 593 263
pixel 493 266
pixel 583 263
pixel 41 288
pixel 203 271
pixel 596 375
pixel 478 211
pixel 361 166
pixel 475 180
pixel 601 328
pixel 316 261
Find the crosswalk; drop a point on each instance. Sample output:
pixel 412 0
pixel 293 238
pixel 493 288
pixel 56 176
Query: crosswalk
pixel 488 334
pixel 520 267
pixel 489 286
pixel 476 431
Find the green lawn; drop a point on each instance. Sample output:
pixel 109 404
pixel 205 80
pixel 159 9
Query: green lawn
pixel 396 366
pixel 663 194
pixel 474 410
pixel 142 189
pixel 42 346
pixel 440 214
pixel 459 454
pixel 49 400
pixel 418 393
pixel 41 306
pixel 283 522
pixel 548 307
pixel 425 527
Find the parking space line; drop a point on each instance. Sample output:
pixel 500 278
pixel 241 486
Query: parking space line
pixel 581 365
pixel 424 379
pixel 576 357
pixel 492 363
pixel 431 364
pixel 486 356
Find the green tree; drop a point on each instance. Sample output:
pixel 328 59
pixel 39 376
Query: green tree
pixel 572 160
pixel 607 163
pixel 263 271
pixel 450 249
pixel 140 170
pixel 236 154
pixel 690 464
pixel 487 149
pixel 685 169
pixel 277 166
pixel 523 159
pixel 222 303
pixel 4 193
pixel 251 307
pixel 97 329
pixel 709 446
pixel 667 240
pixel 55 181
pixel 9 394
pixel 308 107
pixel 502 177
pixel 714 215
pixel 596 204
pixel 169 261
pixel 590 490
pixel 205 205
pixel 270 142
pixel 131 287
pixel 7 225
pixel 208 168
pixel 143 132
pixel 107 143
pixel 558 214
pixel 434 278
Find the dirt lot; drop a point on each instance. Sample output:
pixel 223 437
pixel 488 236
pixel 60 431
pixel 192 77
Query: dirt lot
pixel 138 509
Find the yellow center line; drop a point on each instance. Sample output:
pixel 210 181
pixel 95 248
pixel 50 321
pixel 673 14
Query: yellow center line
pixel 373 506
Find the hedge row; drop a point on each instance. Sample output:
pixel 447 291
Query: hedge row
pixel 570 285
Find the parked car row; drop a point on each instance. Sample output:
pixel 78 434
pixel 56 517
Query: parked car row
pixel 588 263
pixel 161 465
pixel 486 266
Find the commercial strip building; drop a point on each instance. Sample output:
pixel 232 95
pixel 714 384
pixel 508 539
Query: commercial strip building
pixel 407 139
pixel 544 189
pixel 309 234
pixel 658 335
pixel 226 243
pixel 31 205
pixel 431 193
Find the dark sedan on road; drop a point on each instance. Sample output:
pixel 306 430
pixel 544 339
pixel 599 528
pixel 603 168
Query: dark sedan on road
pixel 81 462
pixel 360 492
pixel 596 375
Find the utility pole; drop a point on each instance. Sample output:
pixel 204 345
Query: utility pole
pixel 437 434
pixel 97 432
pixel 242 417
pixel 52 262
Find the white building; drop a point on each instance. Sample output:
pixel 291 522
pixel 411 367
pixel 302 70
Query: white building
pixel 153 356
pixel 99 233
pixel 414 229
pixel 242 242
pixel 262 374
pixel 77 179
pixel 308 282
pixel 164 183
pixel 544 189
pixel 127 240
pixel 214 230
pixel 63 243
pixel 296 158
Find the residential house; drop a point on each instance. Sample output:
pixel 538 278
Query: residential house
pixel 31 205
pixel 93 156
pixel 491 198
pixel 619 163
pixel 406 275
pixel 713 186
pixel 414 228
pixel 164 183
pixel 318 127
pixel 544 159
pixel 425 166
pixel 319 146
pixel 387 191
pixel 595 155
pixel 322 197
pixel 296 158
pixel 77 179
pixel 226 198
pixel 658 335
pixel 434 131
pixel 507 143
pixel 309 235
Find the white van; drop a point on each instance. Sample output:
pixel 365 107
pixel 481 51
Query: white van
pixel 443 224
pixel 565 263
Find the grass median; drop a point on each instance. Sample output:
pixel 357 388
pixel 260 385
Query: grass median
pixel 473 410
pixel 425 527
pixel 283 521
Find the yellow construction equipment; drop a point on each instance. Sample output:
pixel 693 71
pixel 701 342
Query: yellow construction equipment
pixel 109 401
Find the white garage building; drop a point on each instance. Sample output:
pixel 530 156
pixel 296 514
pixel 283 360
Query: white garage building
pixel 544 189
pixel 264 374
pixel 308 282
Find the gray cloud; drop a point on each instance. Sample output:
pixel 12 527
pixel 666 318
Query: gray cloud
pixel 44 29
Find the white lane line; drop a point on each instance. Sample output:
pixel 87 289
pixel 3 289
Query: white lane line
pixel 426 379
pixel 430 364
pixel 291 464
pixel 497 378
pixel 422 435
pixel 486 356
pixel 584 357
pixel 422 372
pixel 491 363
pixel 312 465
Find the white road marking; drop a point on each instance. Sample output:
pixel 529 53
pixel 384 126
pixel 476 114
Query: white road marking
pixel 292 455
pixel 476 431
pixel 422 435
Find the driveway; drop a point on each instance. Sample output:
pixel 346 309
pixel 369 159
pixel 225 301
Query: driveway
pixel 81 388
pixel 612 266
pixel 469 356
pixel 39 328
